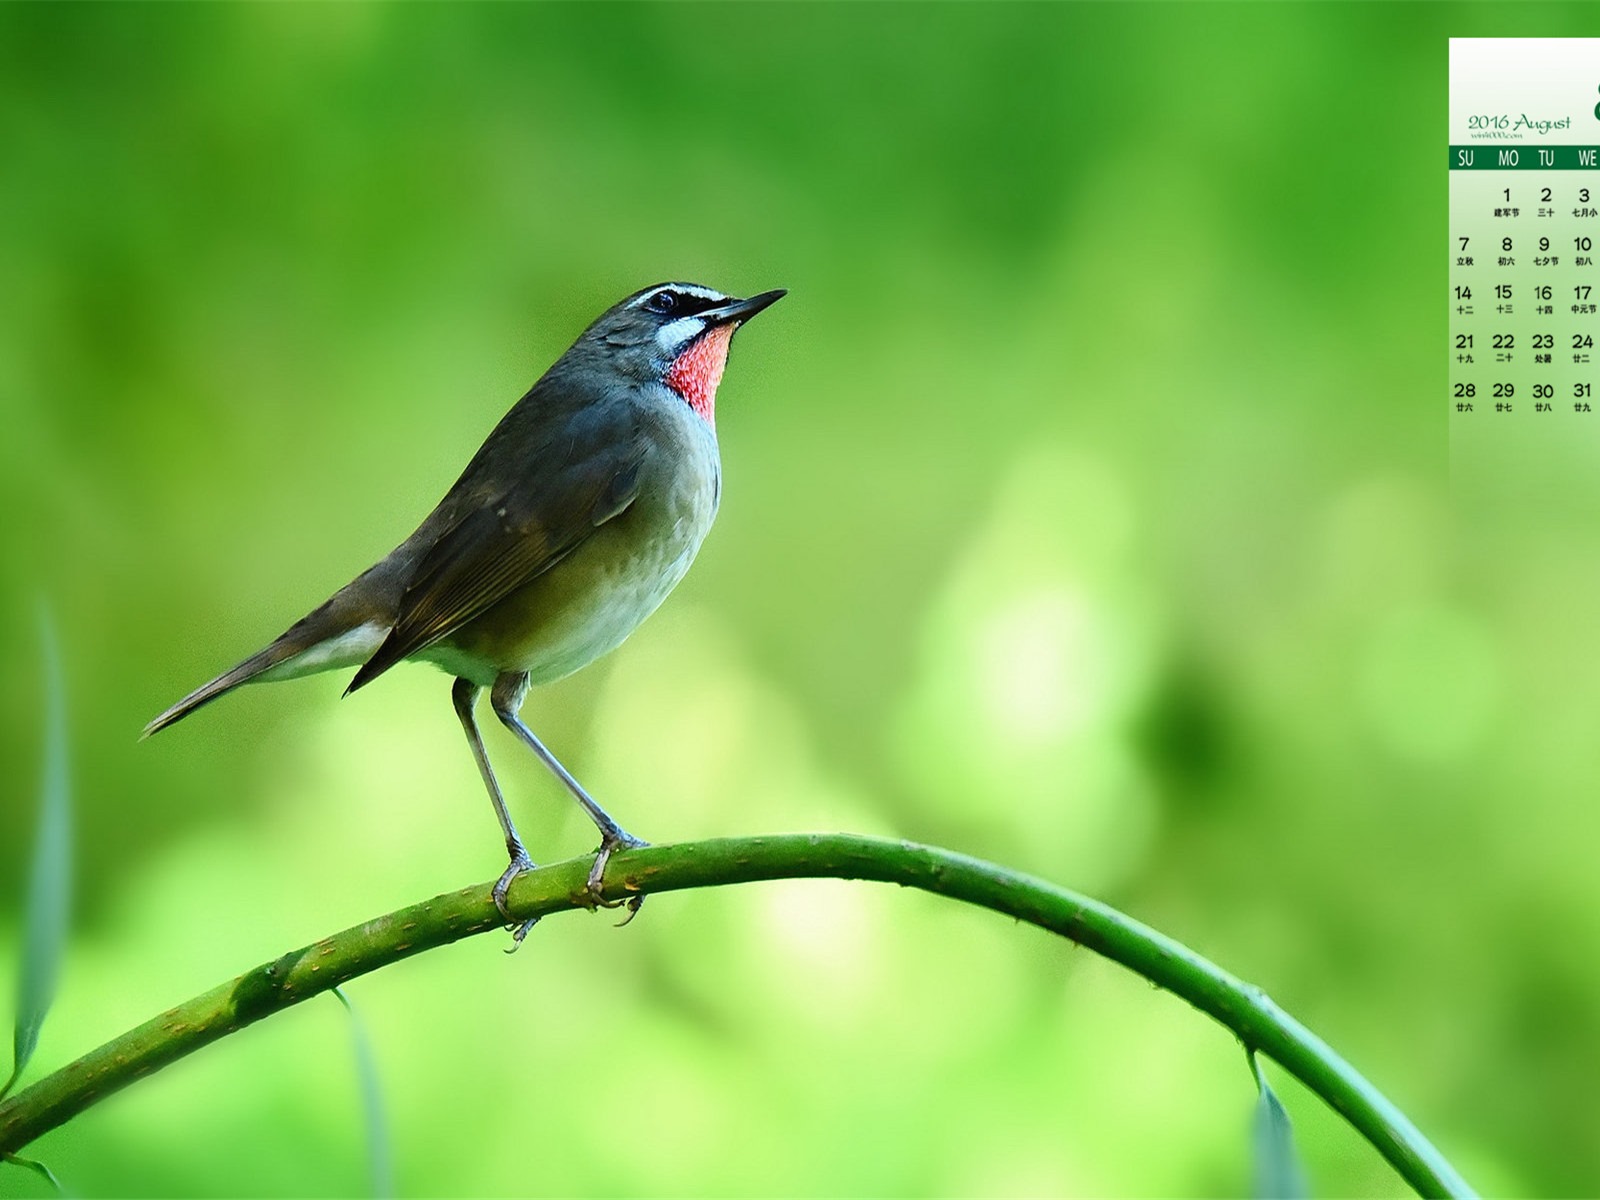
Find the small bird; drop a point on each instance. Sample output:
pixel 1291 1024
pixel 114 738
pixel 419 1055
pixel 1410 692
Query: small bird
pixel 575 518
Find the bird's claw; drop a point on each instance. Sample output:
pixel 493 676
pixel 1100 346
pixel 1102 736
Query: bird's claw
pixel 594 885
pixel 634 904
pixel 519 932
pixel 520 862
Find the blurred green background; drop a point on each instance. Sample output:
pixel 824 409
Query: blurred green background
pixel 1087 507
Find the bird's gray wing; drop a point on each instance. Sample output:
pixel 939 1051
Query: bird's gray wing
pixel 507 535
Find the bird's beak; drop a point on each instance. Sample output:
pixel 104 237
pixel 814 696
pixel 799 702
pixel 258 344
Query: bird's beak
pixel 737 312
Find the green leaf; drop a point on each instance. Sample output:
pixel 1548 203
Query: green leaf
pixel 49 886
pixel 379 1157
pixel 1278 1174
pixel 39 1168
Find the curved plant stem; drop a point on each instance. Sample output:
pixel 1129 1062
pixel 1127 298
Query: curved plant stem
pixel 1246 1010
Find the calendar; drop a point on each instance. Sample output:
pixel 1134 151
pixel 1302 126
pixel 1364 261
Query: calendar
pixel 1524 228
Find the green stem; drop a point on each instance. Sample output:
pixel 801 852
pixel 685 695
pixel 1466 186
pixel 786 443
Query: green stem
pixel 1246 1010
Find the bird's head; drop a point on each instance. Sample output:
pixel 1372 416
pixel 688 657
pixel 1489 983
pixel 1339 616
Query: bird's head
pixel 674 334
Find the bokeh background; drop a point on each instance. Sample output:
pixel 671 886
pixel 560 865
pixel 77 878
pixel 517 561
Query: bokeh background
pixel 1088 507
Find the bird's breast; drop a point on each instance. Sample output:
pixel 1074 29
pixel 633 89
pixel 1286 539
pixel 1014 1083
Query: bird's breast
pixel 588 603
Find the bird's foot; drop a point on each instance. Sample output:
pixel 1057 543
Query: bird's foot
pixel 617 839
pixel 520 862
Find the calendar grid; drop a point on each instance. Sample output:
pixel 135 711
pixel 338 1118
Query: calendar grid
pixel 1524 195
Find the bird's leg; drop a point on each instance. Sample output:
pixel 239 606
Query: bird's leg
pixel 465 696
pixel 506 698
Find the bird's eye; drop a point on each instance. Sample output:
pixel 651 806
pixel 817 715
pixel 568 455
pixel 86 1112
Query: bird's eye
pixel 663 301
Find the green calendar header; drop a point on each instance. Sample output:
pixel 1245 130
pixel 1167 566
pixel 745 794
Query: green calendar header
pixel 1492 156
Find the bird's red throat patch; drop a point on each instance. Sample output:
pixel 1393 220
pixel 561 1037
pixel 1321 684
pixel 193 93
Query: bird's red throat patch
pixel 695 373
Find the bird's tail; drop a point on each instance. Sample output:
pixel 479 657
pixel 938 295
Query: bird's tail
pixel 331 637
pixel 250 668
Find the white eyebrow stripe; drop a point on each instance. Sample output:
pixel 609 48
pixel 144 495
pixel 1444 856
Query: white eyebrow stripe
pixel 688 289
pixel 694 289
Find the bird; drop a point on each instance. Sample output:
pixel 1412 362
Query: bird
pixel 580 512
